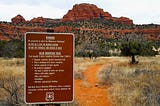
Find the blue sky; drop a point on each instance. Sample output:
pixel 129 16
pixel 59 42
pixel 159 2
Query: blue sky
pixel 141 11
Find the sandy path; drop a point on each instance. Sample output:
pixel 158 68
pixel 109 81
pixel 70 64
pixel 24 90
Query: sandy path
pixel 86 93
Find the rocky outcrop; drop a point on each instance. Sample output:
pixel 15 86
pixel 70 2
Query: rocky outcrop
pixel 18 19
pixel 44 20
pixel 82 11
pixel 4 38
pixel 122 19
pixel 85 12
pixel 38 20
pixel 90 11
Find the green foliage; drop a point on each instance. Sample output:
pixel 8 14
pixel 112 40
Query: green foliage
pixel 13 48
pixel 142 48
pixel 91 46
pixel 131 48
pixel 90 35
pixel 2 44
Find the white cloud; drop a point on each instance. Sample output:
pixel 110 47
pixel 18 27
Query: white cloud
pixel 28 12
pixel 13 2
pixel 141 11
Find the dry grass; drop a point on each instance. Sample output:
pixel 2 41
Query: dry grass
pixel 133 85
pixel 11 81
pixel 12 78
pixel 81 65
pixel 130 85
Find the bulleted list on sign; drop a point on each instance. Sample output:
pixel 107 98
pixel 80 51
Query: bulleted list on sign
pixel 49 67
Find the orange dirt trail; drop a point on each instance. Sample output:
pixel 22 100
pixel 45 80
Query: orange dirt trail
pixel 86 91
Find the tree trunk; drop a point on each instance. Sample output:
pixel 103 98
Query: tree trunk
pixel 133 59
pixel 16 97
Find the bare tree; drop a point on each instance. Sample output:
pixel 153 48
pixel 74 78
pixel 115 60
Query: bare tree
pixel 12 88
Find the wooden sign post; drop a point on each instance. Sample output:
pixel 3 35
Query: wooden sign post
pixel 49 68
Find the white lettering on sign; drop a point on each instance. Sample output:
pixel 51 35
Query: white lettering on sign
pixel 49 68
pixel 50 38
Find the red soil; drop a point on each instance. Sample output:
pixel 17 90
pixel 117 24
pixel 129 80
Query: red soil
pixel 87 92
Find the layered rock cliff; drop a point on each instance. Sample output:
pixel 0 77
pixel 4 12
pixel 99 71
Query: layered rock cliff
pixel 90 11
pixel 85 12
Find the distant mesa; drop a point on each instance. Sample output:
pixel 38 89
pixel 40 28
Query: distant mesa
pixel 18 19
pixel 86 11
pixel 82 11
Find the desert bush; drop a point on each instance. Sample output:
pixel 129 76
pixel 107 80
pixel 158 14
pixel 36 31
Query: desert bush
pixel 80 66
pixel 142 88
pixel 79 71
pixel 13 48
pixel 104 77
pixel 12 88
pixel 11 82
pixel 132 85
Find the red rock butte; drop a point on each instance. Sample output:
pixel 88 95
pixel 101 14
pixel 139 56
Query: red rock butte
pixel 18 19
pixel 82 11
pixel 86 11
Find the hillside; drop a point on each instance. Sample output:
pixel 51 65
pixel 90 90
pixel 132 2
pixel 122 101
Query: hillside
pixel 86 18
pixel 105 28
pixel 93 29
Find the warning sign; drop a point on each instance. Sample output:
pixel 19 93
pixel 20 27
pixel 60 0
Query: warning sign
pixel 49 67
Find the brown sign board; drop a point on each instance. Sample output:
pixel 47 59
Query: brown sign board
pixel 49 67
